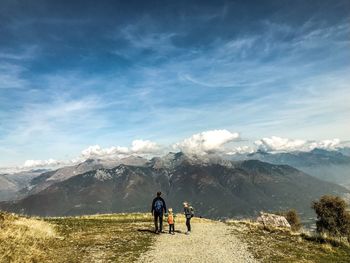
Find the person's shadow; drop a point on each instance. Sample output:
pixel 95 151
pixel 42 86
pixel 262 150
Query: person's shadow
pixel 152 231
pixel 146 231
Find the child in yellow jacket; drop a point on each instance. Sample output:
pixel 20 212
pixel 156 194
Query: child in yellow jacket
pixel 171 221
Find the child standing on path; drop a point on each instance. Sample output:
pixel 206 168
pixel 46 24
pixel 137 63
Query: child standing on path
pixel 171 221
pixel 188 211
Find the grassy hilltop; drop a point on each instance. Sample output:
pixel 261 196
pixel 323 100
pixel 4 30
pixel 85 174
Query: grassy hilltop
pixel 110 238
pixel 124 237
pixel 269 244
pixel 106 238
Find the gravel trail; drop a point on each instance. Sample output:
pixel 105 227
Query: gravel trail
pixel 210 241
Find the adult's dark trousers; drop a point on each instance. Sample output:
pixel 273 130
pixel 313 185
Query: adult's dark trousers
pixel 158 217
pixel 188 224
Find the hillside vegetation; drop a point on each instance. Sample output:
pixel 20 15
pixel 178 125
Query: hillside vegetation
pixel 282 245
pixel 124 237
pixel 24 239
pixel 98 238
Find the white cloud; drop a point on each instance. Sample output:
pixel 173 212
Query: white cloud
pixel 325 144
pixel 206 142
pixel 278 144
pixel 141 146
pixel 95 151
pixel 241 150
pixel 214 141
pixel 138 147
pixel 41 163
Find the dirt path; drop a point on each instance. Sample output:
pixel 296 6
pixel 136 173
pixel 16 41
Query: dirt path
pixel 209 242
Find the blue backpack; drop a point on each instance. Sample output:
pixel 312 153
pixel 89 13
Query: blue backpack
pixel 158 206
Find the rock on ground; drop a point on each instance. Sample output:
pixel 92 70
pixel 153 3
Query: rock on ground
pixel 209 241
pixel 273 220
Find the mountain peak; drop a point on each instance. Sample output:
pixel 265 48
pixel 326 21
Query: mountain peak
pixel 170 160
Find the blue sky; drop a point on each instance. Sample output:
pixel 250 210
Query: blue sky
pixel 81 73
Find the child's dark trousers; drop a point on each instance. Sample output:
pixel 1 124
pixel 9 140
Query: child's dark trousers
pixel 171 228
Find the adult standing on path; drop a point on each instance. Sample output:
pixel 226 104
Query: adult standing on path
pixel 158 208
pixel 188 211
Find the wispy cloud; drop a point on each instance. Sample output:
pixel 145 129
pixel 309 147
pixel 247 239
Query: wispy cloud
pixel 38 119
pixel 10 76
pixel 166 73
pixel 21 54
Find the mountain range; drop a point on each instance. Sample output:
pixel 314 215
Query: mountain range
pixel 12 184
pixel 331 166
pixel 216 187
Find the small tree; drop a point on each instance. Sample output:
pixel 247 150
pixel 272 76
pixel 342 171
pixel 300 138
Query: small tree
pixel 293 219
pixel 332 217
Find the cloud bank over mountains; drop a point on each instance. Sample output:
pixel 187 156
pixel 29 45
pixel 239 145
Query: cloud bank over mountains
pixel 220 142
pixel 278 144
pixel 41 163
pixel 138 147
pixel 207 142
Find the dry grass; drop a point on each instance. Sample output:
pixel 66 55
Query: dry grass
pixel 284 245
pixel 102 238
pixel 98 238
pixel 124 237
pixel 22 239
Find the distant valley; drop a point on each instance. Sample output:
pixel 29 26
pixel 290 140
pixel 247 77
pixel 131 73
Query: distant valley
pixel 12 184
pixel 331 166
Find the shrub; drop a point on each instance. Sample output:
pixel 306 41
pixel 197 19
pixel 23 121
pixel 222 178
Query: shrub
pixel 293 219
pixel 332 217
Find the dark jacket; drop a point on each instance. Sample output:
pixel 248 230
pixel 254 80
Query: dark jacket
pixel 188 211
pixel 161 199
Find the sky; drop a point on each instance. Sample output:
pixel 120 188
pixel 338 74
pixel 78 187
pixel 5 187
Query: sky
pixel 94 77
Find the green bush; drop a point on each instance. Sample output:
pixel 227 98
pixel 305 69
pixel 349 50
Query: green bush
pixel 332 217
pixel 292 218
